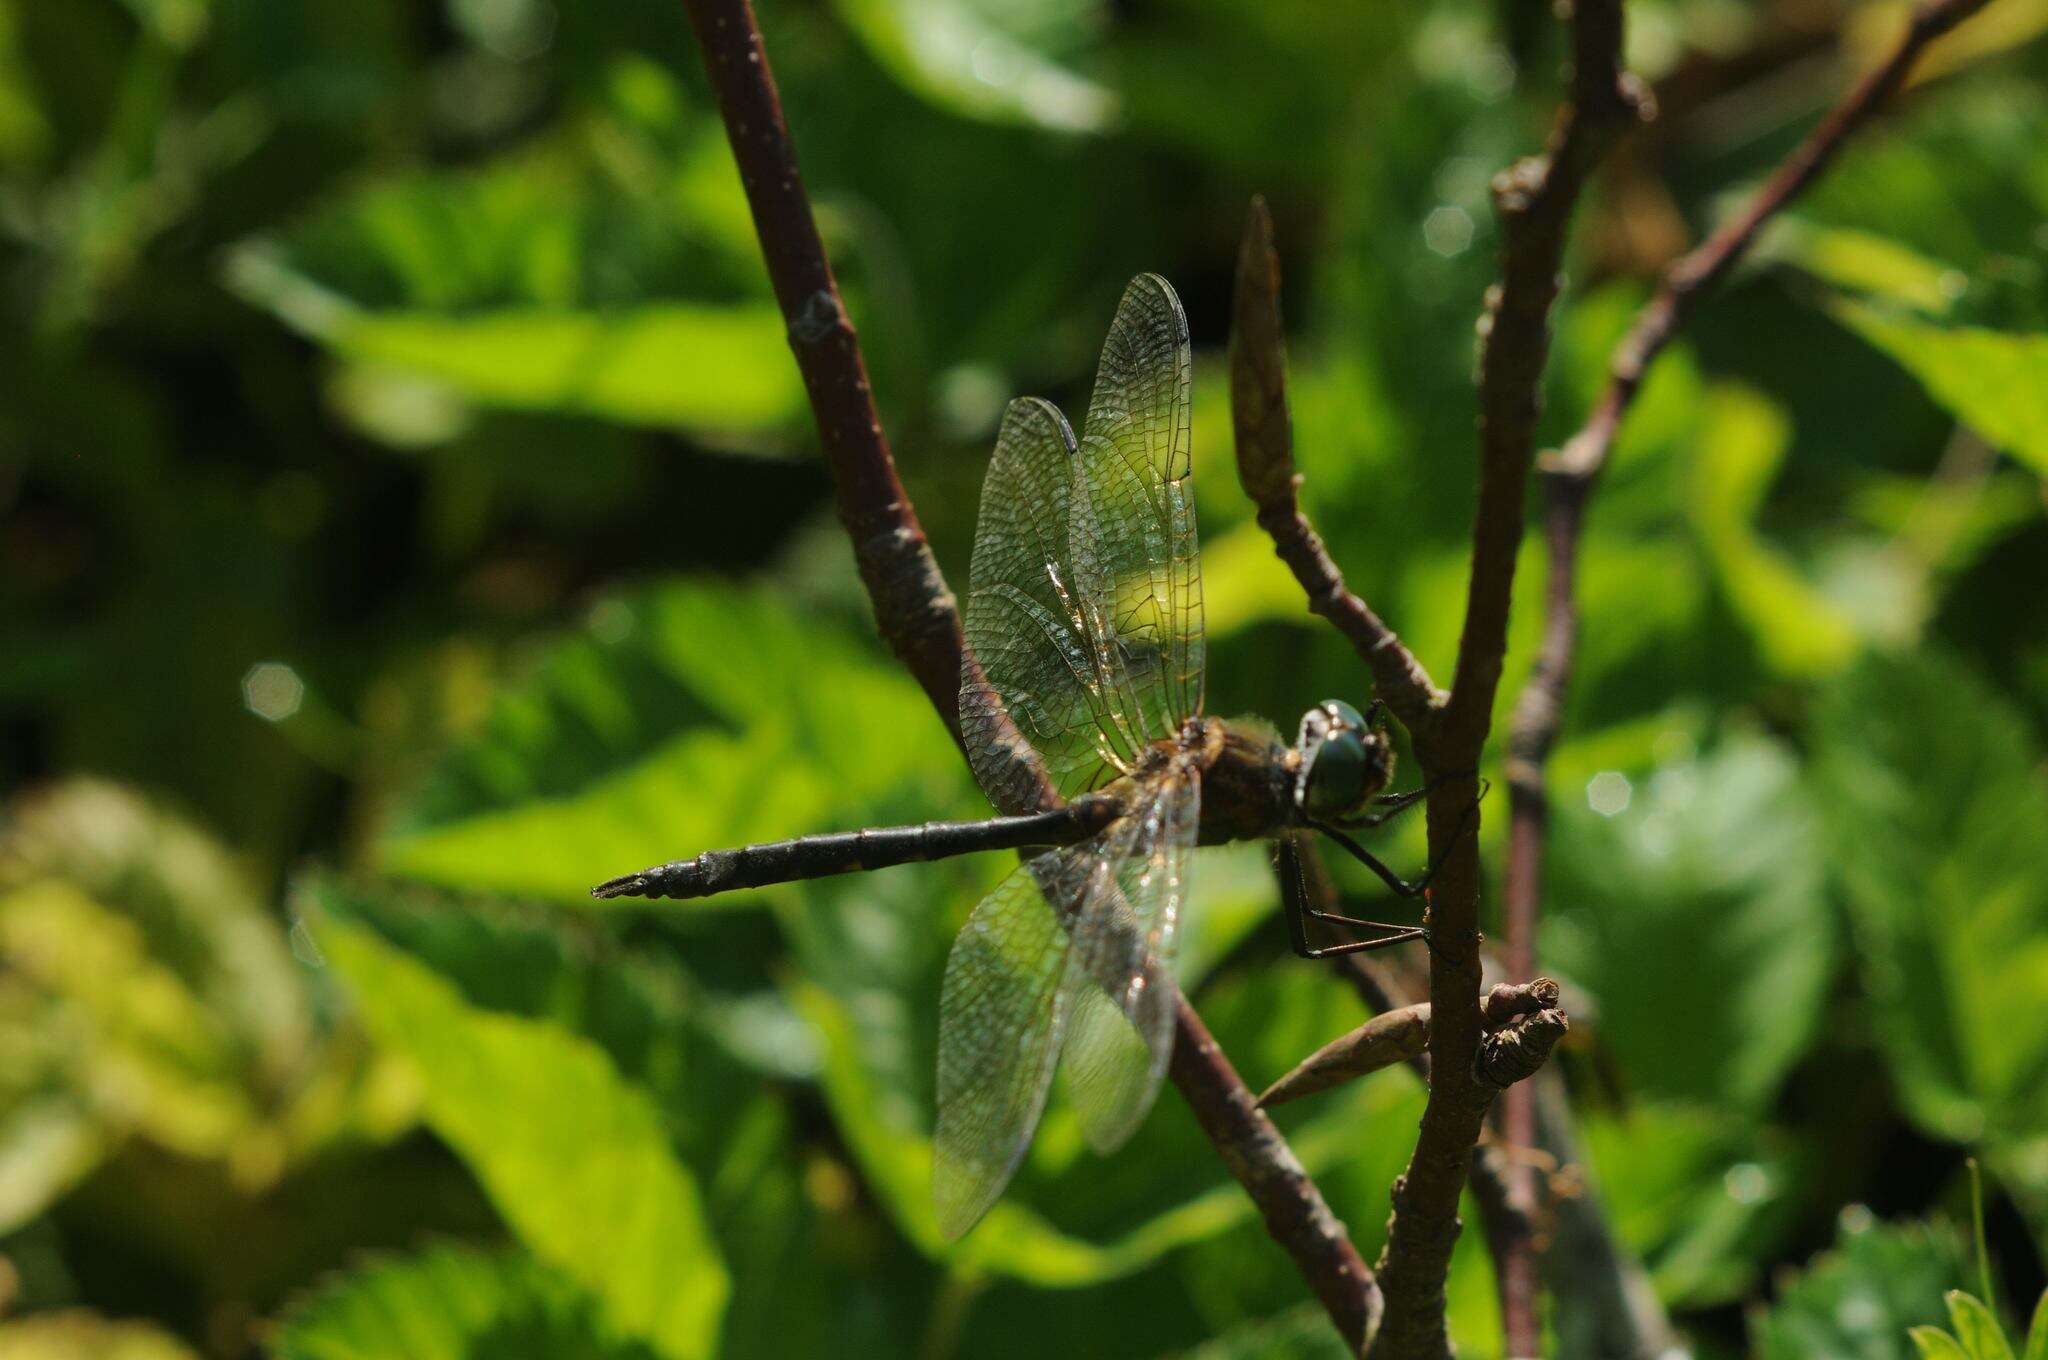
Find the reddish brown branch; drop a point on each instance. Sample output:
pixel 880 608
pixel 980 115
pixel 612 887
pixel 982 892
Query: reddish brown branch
pixel 1569 476
pixel 1533 201
pixel 918 616
pixel 1267 1168
pixel 1265 467
pixel 1709 262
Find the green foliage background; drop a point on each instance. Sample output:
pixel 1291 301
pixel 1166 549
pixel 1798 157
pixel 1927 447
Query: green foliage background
pixel 409 515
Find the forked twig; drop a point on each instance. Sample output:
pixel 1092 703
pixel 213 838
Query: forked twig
pixel 1265 468
pixel 1534 201
pixel 1569 477
pixel 920 619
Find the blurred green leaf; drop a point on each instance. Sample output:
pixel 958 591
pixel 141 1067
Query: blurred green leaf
pixel 449 1303
pixel 80 1335
pixel 1992 381
pixel 573 1156
pixel 1741 446
pixel 1931 796
pixel 1857 1301
pixel 144 991
pixel 1697 1192
pixel 1866 263
pixel 724 369
pixel 1694 914
pixel 983 60
pixel 684 718
pixel 2037 1333
pixel 1302 1333
pixel 23 128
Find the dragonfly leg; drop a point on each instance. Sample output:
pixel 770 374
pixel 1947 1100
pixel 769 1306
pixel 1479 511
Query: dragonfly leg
pixel 1388 876
pixel 1355 922
pixel 1330 951
pixel 1393 804
pixel 1299 913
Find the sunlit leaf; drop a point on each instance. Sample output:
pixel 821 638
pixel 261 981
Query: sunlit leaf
pixel 573 1156
pixel 80 1335
pixel 1993 381
pixel 1976 1328
pixel 683 719
pixel 2037 1332
pixel 1866 263
pixel 715 368
pixel 449 1303
pixel 972 59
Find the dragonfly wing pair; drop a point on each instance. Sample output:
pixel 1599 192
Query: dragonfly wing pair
pixel 1084 616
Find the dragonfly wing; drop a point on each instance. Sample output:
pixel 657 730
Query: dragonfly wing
pixel 1120 973
pixel 1036 660
pixel 1133 528
pixel 1002 1012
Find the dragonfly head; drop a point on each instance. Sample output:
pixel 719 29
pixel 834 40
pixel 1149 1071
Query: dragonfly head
pixel 1346 758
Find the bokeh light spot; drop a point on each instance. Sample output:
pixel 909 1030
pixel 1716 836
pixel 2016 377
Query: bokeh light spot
pixel 1447 230
pixel 273 691
pixel 1608 792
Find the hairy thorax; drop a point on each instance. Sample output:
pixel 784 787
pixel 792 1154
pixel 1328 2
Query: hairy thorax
pixel 1247 775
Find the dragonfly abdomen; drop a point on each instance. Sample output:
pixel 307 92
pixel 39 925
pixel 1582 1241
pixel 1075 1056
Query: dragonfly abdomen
pixel 758 866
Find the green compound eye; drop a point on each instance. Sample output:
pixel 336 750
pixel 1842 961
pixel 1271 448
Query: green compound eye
pixel 1337 773
pixel 1345 714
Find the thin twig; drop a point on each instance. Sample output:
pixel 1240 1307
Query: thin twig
pixel 1265 467
pixel 1709 262
pixel 1533 201
pixel 1569 477
pixel 919 617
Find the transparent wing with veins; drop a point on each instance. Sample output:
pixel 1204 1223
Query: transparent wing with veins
pixel 1084 608
pixel 1073 951
pixel 1134 527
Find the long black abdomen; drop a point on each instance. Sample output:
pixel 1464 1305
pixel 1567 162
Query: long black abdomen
pixel 756 866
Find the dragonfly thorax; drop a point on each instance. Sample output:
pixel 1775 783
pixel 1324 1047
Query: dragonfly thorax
pixel 1344 759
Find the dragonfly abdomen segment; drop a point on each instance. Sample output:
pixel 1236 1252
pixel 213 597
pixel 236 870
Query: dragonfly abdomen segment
pixel 758 866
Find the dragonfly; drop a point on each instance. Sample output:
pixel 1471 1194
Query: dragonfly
pixel 1081 711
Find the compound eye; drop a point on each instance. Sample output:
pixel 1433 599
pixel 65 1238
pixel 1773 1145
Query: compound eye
pixel 1337 776
pixel 1344 715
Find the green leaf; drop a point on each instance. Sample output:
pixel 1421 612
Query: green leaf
pixel 573 1156
pixel 634 742
pixel 1741 446
pixel 1996 382
pixel 1931 798
pixel 79 1335
pixel 892 1142
pixel 449 1303
pixel 144 992
pixel 1857 1301
pixel 1977 1328
pixel 724 369
pixel 871 950
pixel 1695 916
pixel 1700 1194
pixel 976 60
pixel 2037 1334
pixel 1300 1333
pixel 1864 262
pixel 1935 1344
pixel 719 369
